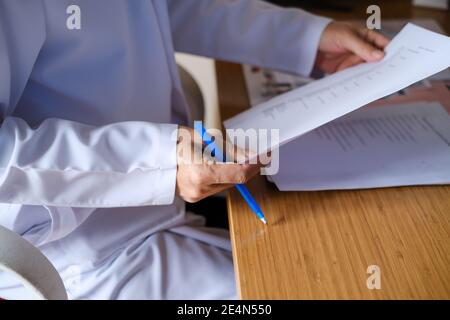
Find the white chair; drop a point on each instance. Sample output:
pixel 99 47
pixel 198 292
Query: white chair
pixel 30 267
pixel 193 95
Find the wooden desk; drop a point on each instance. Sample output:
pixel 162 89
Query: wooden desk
pixel 319 244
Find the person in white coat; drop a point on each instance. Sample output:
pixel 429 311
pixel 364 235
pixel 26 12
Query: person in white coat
pixel 90 99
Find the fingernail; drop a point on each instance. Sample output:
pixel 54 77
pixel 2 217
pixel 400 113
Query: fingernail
pixel 377 54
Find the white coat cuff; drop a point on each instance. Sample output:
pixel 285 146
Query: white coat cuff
pixel 166 178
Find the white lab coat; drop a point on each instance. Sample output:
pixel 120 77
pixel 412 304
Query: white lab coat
pixel 87 155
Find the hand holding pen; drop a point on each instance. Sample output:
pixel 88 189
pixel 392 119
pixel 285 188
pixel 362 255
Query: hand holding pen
pixel 198 180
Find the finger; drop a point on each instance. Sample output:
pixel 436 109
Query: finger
pixel 212 190
pixel 329 64
pixel 374 37
pixel 220 188
pixel 239 155
pixel 207 180
pixel 199 187
pixel 234 173
pixel 193 196
pixel 362 48
pixel 350 61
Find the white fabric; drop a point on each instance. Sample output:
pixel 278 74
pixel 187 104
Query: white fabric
pixel 87 162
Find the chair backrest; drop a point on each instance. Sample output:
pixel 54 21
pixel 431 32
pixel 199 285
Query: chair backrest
pixel 193 94
pixel 30 266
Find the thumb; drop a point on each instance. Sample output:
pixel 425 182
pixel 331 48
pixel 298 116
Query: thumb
pixel 362 48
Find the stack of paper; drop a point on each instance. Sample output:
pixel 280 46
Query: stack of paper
pixel 373 147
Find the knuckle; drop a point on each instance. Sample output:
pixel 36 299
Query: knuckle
pixel 241 179
pixel 191 200
pixel 193 196
pixel 195 199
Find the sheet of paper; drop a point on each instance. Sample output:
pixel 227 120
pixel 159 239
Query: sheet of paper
pixel 390 28
pixel 414 54
pixel 263 84
pixel 384 146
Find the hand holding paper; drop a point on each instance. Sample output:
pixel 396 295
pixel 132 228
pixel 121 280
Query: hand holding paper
pixel 414 54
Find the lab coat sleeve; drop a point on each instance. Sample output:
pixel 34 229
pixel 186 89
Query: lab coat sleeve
pixel 62 163
pixel 68 164
pixel 247 31
pixel 68 169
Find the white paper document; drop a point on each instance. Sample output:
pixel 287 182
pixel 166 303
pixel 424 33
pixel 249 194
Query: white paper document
pixel 373 147
pixel 414 54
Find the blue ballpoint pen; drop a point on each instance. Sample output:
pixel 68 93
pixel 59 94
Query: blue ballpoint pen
pixel 219 155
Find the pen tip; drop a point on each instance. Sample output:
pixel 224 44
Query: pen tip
pixel 264 220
